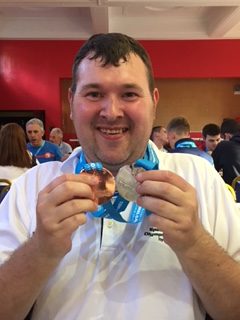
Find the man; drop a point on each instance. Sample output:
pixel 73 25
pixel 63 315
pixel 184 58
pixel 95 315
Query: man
pixel 226 156
pixel 73 258
pixel 56 136
pixel 211 137
pixel 178 131
pixel 159 137
pixel 43 150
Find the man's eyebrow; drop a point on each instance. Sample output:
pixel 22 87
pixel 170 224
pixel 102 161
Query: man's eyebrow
pixel 90 86
pixel 132 86
pixel 98 86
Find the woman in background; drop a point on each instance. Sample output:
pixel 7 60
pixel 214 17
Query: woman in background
pixel 15 159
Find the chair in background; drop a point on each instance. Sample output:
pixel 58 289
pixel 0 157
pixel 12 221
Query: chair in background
pixel 230 188
pixel 236 187
pixel 5 186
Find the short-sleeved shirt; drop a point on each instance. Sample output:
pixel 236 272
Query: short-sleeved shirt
pixel 48 151
pixel 65 148
pixel 116 270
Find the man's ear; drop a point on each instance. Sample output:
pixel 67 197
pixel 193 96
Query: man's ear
pixel 171 134
pixel 155 101
pixel 155 96
pixel 70 98
pixel 227 136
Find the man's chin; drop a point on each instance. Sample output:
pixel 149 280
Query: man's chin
pixel 113 161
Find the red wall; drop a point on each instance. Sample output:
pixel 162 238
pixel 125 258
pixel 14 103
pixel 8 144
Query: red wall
pixel 30 70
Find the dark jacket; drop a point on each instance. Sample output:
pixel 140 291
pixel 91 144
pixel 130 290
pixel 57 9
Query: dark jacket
pixel 188 145
pixel 226 156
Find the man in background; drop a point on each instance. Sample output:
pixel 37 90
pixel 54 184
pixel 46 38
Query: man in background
pixel 178 132
pixel 159 137
pixel 211 136
pixel 56 136
pixel 43 150
pixel 226 155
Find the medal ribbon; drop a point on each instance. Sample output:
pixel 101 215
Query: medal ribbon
pixel 113 208
pixel 39 149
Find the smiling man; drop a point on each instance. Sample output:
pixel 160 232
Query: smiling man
pixel 113 113
pixel 163 245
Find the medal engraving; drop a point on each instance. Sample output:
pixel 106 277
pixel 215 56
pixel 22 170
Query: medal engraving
pixel 126 182
pixel 106 186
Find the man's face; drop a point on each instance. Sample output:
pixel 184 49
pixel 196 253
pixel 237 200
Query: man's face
pixel 162 135
pixel 54 138
pixel 113 111
pixel 212 141
pixel 34 134
pixel 171 139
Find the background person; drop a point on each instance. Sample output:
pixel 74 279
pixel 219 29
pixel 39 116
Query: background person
pixel 15 159
pixel 226 155
pixel 43 150
pixel 178 132
pixel 159 137
pixel 76 265
pixel 211 136
pixel 56 136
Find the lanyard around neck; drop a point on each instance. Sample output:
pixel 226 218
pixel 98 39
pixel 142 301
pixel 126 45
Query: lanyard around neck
pixel 113 208
pixel 39 149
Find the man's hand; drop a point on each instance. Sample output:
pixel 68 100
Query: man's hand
pixel 61 208
pixel 174 207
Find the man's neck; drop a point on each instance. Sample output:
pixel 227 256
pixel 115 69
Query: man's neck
pixel 158 144
pixel 39 145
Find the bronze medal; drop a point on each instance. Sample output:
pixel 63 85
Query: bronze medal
pixel 106 187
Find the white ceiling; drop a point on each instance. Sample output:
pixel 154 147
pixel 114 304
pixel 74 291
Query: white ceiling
pixel 146 20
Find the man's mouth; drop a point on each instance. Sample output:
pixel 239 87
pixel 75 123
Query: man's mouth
pixel 113 131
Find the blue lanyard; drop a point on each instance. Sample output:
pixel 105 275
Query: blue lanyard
pixel 113 208
pixel 39 149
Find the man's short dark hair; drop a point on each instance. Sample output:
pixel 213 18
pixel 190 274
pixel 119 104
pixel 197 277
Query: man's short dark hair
pixel 111 48
pixel 155 129
pixel 229 126
pixel 210 129
pixel 179 125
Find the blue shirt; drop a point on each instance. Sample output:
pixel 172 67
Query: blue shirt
pixel 48 151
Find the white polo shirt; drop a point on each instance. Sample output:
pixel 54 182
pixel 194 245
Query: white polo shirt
pixel 127 274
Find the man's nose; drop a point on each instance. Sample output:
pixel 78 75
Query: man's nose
pixel 112 108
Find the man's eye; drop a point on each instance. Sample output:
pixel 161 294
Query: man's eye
pixel 93 95
pixel 130 95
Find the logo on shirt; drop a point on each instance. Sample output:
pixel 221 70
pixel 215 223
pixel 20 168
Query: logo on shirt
pixel 154 232
pixel 47 155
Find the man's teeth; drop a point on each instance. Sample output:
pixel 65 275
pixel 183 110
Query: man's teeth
pixel 108 131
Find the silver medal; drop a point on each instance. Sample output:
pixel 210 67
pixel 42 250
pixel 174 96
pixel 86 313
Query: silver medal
pixel 126 182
